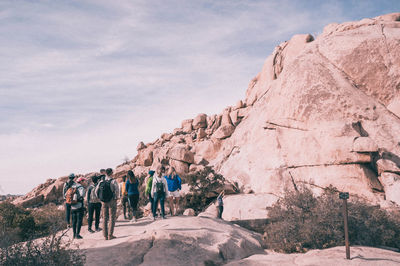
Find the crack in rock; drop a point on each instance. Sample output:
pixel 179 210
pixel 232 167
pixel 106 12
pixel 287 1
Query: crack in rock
pixel 284 126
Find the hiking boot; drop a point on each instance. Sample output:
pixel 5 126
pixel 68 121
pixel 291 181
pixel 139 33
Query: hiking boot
pixel 111 237
pixel 90 230
pixel 133 220
pixel 164 217
pixel 106 237
pixel 78 237
pixel 154 218
pixel 98 229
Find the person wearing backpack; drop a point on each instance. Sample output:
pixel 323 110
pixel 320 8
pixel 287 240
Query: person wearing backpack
pixel 149 184
pixel 94 205
pixel 123 195
pixel 132 188
pixel 220 204
pixel 77 207
pixel 68 185
pixel 108 191
pixel 174 186
pixel 159 191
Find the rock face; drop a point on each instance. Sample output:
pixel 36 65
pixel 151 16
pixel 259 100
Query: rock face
pixel 175 241
pixel 322 111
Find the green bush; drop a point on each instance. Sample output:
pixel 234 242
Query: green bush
pixel 301 221
pixel 204 188
pixel 19 232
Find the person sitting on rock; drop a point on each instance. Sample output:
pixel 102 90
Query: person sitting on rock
pixel 220 204
pixel 149 184
pixel 132 188
pixel 94 205
pixel 68 185
pixel 77 207
pixel 123 195
pixel 174 186
pixel 159 191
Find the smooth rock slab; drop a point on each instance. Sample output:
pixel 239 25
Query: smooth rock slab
pixel 174 241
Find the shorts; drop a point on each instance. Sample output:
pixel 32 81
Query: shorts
pixel 174 194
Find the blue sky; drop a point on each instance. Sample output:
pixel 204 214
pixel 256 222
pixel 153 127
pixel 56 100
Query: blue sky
pixel 82 82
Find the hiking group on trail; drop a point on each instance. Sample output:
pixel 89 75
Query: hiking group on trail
pixel 104 191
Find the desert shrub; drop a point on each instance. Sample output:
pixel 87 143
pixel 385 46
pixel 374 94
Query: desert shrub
pixel 204 188
pixel 19 232
pixel 301 221
pixel 51 250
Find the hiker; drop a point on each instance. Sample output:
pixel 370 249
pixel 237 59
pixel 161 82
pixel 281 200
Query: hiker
pixel 102 174
pixel 67 185
pixel 174 186
pixel 107 191
pixel 159 191
pixel 94 205
pixel 123 195
pixel 132 187
pixel 77 208
pixel 220 204
pixel 149 184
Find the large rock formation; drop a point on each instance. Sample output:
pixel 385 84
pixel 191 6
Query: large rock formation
pixel 322 112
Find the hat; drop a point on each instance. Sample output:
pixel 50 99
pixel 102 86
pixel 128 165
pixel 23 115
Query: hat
pixel 151 172
pixel 80 179
pixel 71 176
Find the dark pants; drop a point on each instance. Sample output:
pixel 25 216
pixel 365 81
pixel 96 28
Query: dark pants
pixel 160 198
pixel 151 202
pixel 220 210
pixel 77 217
pixel 68 213
pixel 124 202
pixel 94 208
pixel 133 202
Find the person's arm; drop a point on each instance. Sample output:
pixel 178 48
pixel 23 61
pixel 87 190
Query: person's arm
pixel 116 188
pixel 179 182
pixel 166 188
pixel 152 188
pixel 96 191
pixel 127 185
pixel 64 190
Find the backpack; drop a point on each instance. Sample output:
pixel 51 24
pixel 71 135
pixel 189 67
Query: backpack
pixel 160 188
pixel 93 195
pixel 105 193
pixel 69 196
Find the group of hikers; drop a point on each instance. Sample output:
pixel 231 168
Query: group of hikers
pixel 103 192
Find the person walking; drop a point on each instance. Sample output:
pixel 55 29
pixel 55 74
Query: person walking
pixel 77 207
pixel 132 188
pixel 123 195
pixel 107 191
pixel 94 205
pixel 220 204
pixel 149 184
pixel 159 191
pixel 68 185
pixel 174 186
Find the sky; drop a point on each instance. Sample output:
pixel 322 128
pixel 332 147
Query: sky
pixel 83 82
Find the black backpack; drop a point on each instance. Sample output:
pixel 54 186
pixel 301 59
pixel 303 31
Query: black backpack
pixel 160 188
pixel 105 192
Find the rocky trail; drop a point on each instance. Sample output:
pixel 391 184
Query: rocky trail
pixel 200 240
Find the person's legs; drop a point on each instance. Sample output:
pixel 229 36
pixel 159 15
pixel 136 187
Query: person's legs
pixel 155 203
pixel 106 217
pixel 124 201
pixel 68 213
pixel 97 208
pixel 170 200
pixel 151 202
pixel 113 214
pixel 162 199
pixel 79 222
pixel 220 210
pixel 74 221
pixel 176 199
pixel 90 215
pixel 135 201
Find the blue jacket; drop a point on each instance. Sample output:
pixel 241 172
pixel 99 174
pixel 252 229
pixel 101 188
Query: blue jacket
pixel 132 189
pixel 173 183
